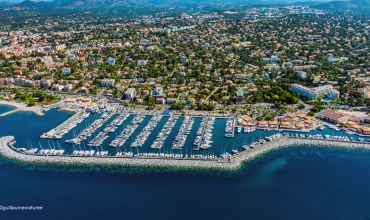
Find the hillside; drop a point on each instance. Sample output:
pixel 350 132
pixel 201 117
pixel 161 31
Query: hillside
pixel 361 6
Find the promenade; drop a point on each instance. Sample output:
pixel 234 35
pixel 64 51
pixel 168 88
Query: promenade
pixel 21 107
pixel 232 163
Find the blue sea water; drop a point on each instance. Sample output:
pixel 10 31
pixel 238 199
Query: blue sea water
pixel 290 183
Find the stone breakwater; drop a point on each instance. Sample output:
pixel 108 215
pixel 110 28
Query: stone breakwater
pixel 232 163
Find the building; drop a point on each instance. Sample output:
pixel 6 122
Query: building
pixel 314 93
pixel 333 94
pixel 107 82
pixel 66 70
pixel 130 93
pixel 239 96
pixel 158 92
pixel 160 100
pixel 172 101
pixel 332 116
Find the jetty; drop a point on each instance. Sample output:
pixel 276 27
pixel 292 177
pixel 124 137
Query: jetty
pixel 181 137
pixel 10 112
pixel 158 143
pixel 233 162
pixel 60 127
pixel 202 141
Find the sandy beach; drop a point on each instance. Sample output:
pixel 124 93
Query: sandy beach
pixel 23 107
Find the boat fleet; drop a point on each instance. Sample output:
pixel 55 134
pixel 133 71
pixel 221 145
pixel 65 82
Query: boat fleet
pixel 229 128
pixel 203 140
pixel 163 134
pixel 70 126
pixel 143 136
pixel 126 133
pixel 204 134
pixel 184 130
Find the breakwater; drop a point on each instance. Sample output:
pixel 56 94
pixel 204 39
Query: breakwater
pixel 234 162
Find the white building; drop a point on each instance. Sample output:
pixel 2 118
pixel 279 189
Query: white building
pixel 314 93
pixel 130 93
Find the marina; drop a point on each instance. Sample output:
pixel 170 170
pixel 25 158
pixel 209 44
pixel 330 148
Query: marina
pixel 115 132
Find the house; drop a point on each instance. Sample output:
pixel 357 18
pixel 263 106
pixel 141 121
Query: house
pixel 68 87
pixel 57 87
pixel 84 90
pixel 17 72
pixel 142 62
pixel 208 66
pixel 160 100
pixel 191 101
pixel 172 101
pixel 66 70
pixel 99 62
pixel 158 91
pixel 145 92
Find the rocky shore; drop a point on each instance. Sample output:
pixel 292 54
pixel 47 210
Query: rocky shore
pixel 6 150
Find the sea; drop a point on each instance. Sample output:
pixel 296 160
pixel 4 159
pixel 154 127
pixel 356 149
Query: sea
pixel 289 183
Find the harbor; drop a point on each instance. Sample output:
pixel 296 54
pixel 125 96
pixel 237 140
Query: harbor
pixel 114 132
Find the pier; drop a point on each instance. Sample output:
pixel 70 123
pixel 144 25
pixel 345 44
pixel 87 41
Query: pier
pixel 188 121
pixel 233 131
pixel 167 128
pixel 60 127
pixel 204 137
pixel 204 129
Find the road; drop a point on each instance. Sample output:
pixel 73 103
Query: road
pixel 212 92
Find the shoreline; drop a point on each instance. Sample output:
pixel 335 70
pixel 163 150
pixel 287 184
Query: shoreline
pixel 22 107
pixel 231 164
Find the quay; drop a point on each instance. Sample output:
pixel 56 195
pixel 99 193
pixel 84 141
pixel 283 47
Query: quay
pixel 60 127
pixel 233 162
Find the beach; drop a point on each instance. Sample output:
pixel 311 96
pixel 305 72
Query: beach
pixel 23 107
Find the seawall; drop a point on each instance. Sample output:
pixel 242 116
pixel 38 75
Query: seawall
pixel 6 150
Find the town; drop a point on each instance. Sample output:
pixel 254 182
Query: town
pixel 259 65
